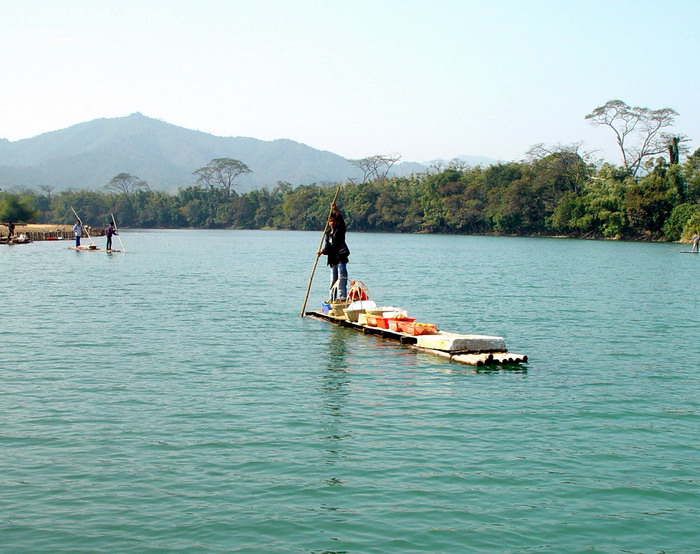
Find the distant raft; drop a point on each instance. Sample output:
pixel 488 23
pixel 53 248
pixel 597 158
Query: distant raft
pixel 473 350
pixel 90 248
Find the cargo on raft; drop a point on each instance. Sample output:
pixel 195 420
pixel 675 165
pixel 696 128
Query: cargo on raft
pixel 90 248
pixel 394 324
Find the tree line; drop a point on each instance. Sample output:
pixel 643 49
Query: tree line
pixel 554 191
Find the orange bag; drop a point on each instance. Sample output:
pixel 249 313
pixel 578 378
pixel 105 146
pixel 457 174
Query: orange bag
pixel 358 291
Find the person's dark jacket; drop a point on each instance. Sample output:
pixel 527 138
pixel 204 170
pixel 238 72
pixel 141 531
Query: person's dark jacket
pixel 335 247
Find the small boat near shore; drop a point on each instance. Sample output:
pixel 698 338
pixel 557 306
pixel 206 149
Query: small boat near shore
pixel 19 239
pixel 474 350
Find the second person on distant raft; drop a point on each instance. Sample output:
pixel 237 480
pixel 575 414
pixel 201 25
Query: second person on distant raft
pixel 110 231
pixel 338 253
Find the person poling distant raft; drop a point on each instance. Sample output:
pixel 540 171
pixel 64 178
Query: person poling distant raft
pixel 110 231
pixel 78 229
pixel 116 232
pixel 78 232
pixel 695 242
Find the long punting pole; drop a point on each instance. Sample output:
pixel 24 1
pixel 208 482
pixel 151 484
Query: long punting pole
pixel 313 269
pixel 117 232
pixel 84 227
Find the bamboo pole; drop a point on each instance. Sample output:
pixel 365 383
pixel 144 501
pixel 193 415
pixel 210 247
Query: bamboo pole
pixel 313 269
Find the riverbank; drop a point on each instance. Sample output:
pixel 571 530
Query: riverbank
pixel 37 231
pixel 52 231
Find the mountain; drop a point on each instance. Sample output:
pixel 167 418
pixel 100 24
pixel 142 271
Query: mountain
pixel 88 155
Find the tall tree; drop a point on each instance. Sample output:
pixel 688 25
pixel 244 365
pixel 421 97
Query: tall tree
pixel 126 184
pixel 48 189
pixel 221 174
pixel 637 130
pixel 376 167
pixel 563 165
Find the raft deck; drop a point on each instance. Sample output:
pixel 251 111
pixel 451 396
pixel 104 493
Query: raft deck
pixel 89 249
pixel 474 350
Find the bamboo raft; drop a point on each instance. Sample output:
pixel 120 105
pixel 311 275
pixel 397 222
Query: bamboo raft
pixel 91 248
pixel 474 350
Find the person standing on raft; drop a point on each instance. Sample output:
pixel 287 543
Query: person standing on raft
pixel 696 241
pixel 110 231
pixel 78 231
pixel 338 253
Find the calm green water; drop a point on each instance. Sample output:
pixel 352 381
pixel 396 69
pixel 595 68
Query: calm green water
pixel 172 399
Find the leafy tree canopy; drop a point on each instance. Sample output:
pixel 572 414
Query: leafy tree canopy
pixel 16 208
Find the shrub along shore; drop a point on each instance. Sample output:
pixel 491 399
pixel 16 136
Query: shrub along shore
pixel 556 195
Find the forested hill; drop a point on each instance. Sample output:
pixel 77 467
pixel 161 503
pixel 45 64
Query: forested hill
pixel 88 155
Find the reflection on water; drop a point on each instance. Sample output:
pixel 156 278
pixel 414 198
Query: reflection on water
pixel 335 388
pixel 335 391
pixel 337 349
pixel 336 378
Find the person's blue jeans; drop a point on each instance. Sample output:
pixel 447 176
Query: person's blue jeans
pixel 77 240
pixel 339 272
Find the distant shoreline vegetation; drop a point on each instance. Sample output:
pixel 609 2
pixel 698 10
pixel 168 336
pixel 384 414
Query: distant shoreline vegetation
pixel 553 195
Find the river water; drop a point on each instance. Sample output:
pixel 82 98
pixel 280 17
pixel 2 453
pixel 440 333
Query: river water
pixel 171 398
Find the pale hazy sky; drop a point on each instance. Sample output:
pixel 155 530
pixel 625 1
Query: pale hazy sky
pixel 424 79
